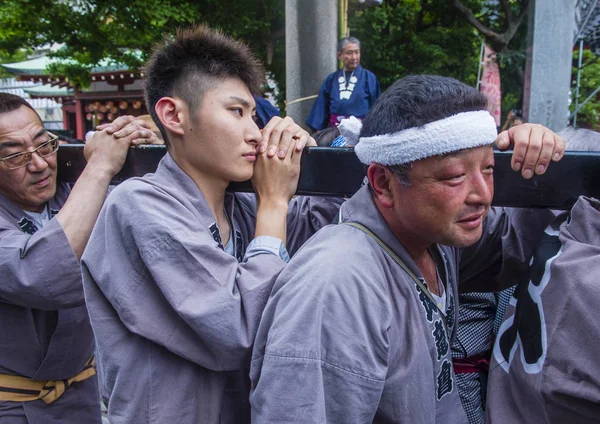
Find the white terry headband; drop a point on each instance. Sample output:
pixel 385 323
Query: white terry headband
pixel 457 132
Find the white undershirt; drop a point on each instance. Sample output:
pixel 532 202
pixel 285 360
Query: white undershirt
pixel 40 219
pixel 229 246
pixel 440 301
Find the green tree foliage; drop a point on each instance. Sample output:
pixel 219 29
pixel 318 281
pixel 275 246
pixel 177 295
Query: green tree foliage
pixel 17 56
pixel 400 37
pixel 498 21
pixel 589 115
pixel 503 26
pixel 403 37
pixel 117 31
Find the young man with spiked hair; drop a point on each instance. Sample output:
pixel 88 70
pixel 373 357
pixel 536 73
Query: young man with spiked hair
pixel 178 270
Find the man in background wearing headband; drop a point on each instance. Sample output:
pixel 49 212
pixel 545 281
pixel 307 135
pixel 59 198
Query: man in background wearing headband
pixel 363 334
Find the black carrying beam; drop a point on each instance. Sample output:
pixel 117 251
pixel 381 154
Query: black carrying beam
pixel 337 172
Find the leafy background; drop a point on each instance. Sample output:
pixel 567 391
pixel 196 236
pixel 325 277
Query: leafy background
pixel 399 38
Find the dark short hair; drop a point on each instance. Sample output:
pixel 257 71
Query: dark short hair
pixel 10 102
pixel 325 137
pixel 417 100
pixel 347 40
pixel 192 62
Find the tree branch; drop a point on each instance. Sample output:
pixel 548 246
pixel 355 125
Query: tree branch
pixel 507 11
pixel 489 33
pixel 277 34
pixel 514 25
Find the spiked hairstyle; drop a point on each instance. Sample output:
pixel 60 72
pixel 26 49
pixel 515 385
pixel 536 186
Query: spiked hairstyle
pixel 194 61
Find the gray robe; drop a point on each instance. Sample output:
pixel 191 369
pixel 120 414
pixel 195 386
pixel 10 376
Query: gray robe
pixel 348 337
pixel 46 334
pixel 545 365
pixel 174 315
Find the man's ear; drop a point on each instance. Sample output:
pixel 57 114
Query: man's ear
pixel 172 113
pixel 380 179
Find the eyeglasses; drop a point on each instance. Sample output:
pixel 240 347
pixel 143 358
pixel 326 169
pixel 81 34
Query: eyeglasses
pixel 19 160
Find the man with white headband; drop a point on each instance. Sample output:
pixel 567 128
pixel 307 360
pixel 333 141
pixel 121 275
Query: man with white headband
pixel 359 324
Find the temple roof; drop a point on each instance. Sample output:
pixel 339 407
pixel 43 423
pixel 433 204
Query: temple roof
pixel 47 90
pixel 106 70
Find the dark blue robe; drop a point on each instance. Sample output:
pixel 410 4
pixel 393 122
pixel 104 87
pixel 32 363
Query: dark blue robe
pixel 328 104
pixel 264 111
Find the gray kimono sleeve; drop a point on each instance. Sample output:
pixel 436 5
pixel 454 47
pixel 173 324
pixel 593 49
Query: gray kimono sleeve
pixel 169 281
pixel 39 271
pixel 308 214
pixel 500 259
pixel 322 348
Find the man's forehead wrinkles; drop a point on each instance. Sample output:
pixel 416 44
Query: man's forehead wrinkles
pixel 11 137
pixel 20 126
pixel 20 138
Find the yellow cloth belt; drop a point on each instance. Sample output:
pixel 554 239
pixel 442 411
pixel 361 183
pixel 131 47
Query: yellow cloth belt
pixel 21 389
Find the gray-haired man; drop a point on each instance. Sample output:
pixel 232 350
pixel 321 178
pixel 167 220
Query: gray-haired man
pixel 46 343
pixel 350 91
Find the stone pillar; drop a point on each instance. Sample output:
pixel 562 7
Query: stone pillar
pixel 549 61
pixel 311 28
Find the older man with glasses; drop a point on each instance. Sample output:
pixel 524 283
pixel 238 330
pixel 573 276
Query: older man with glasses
pixel 46 343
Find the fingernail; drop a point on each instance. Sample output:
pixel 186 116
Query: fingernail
pixel 540 169
pixel 118 134
pixel 271 151
pixel 281 154
pixel 517 167
pixel 262 148
pixel 556 156
pixel 299 146
pixel 528 173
